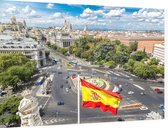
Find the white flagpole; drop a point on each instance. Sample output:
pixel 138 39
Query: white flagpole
pixel 78 99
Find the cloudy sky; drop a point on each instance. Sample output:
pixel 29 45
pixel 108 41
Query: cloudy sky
pixel 95 17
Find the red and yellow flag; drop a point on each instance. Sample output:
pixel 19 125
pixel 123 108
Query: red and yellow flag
pixel 93 96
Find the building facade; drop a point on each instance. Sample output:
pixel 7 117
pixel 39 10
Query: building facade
pixel 148 44
pixel 159 52
pixel 14 25
pixel 62 37
pixel 143 43
pixel 26 46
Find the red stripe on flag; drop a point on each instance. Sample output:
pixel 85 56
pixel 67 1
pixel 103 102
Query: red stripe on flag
pixel 104 108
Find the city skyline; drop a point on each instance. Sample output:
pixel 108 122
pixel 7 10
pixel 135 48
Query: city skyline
pixel 95 17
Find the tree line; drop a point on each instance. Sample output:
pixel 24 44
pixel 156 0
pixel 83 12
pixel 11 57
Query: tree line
pixel 15 69
pixel 102 51
pixel 113 54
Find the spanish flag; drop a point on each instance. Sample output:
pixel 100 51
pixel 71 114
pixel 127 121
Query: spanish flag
pixel 93 97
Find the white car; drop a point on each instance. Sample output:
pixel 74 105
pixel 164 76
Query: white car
pixel 130 92
pixel 67 90
pixel 143 108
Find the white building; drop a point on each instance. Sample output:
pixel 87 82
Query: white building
pixel 28 111
pixel 27 46
pixel 64 39
pixel 61 37
pixel 14 25
pixel 158 52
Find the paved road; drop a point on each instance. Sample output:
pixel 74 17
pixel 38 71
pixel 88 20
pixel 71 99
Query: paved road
pixel 60 114
pixel 151 100
pixel 68 112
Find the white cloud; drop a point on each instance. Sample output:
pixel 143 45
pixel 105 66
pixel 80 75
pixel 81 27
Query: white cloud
pixel 149 13
pixel 50 5
pixel 108 8
pixel 152 16
pixel 29 12
pixel 57 15
pixel 26 9
pixel 114 13
pixel 99 12
pixel 87 13
pixel 92 18
pixel 11 10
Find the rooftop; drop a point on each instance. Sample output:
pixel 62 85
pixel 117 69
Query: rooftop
pixel 7 41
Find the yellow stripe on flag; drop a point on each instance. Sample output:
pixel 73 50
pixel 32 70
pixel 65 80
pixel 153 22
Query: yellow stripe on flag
pixel 89 94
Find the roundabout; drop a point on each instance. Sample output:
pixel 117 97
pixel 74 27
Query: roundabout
pixel 99 82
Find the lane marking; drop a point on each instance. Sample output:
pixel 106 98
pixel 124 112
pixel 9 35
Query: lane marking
pixel 102 71
pixel 73 111
pixel 138 86
pixel 157 87
pixel 124 75
pixel 46 102
pixel 114 73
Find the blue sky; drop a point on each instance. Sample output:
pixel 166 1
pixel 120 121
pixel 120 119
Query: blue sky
pixel 95 17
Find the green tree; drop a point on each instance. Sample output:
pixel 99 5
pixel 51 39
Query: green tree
pixel 8 60
pixel 153 61
pixel 121 58
pixel 142 70
pixel 104 51
pixel 134 46
pixel 8 80
pixel 8 109
pixel 111 64
pixel 161 70
pixel 117 42
pixel 16 72
pixel 139 55
pixel 153 71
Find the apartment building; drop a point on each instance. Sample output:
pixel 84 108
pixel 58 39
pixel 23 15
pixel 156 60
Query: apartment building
pixel 159 52
pixel 27 46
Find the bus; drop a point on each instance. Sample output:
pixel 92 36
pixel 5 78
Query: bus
pixel 40 80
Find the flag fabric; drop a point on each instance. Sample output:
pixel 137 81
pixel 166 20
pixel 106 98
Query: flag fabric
pixel 93 97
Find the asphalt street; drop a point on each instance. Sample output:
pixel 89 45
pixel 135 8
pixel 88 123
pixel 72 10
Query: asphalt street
pixel 67 113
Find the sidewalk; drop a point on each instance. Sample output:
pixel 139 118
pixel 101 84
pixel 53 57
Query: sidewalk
pixel 40 92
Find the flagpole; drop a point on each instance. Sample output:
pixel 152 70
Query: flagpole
pixel 78 99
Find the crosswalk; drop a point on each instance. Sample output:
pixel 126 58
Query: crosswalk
pixel 120 74
pixel 49 121
pixel 111 72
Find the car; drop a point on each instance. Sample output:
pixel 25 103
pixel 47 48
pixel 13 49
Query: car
pixel 160 80
pixel 67 77
pixel 131 79
pixel 161 106
pixel 69 87
pixel 143 108
pixel 67 90
pixel 60 102
pixel 130 92
pixel 61 86
pixel 120 119
pixel 2 92
pixel 59 72
pixel 158 90
pixel 142 93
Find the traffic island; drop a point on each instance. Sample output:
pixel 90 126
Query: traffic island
pixel 96 81
pixel 132 106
